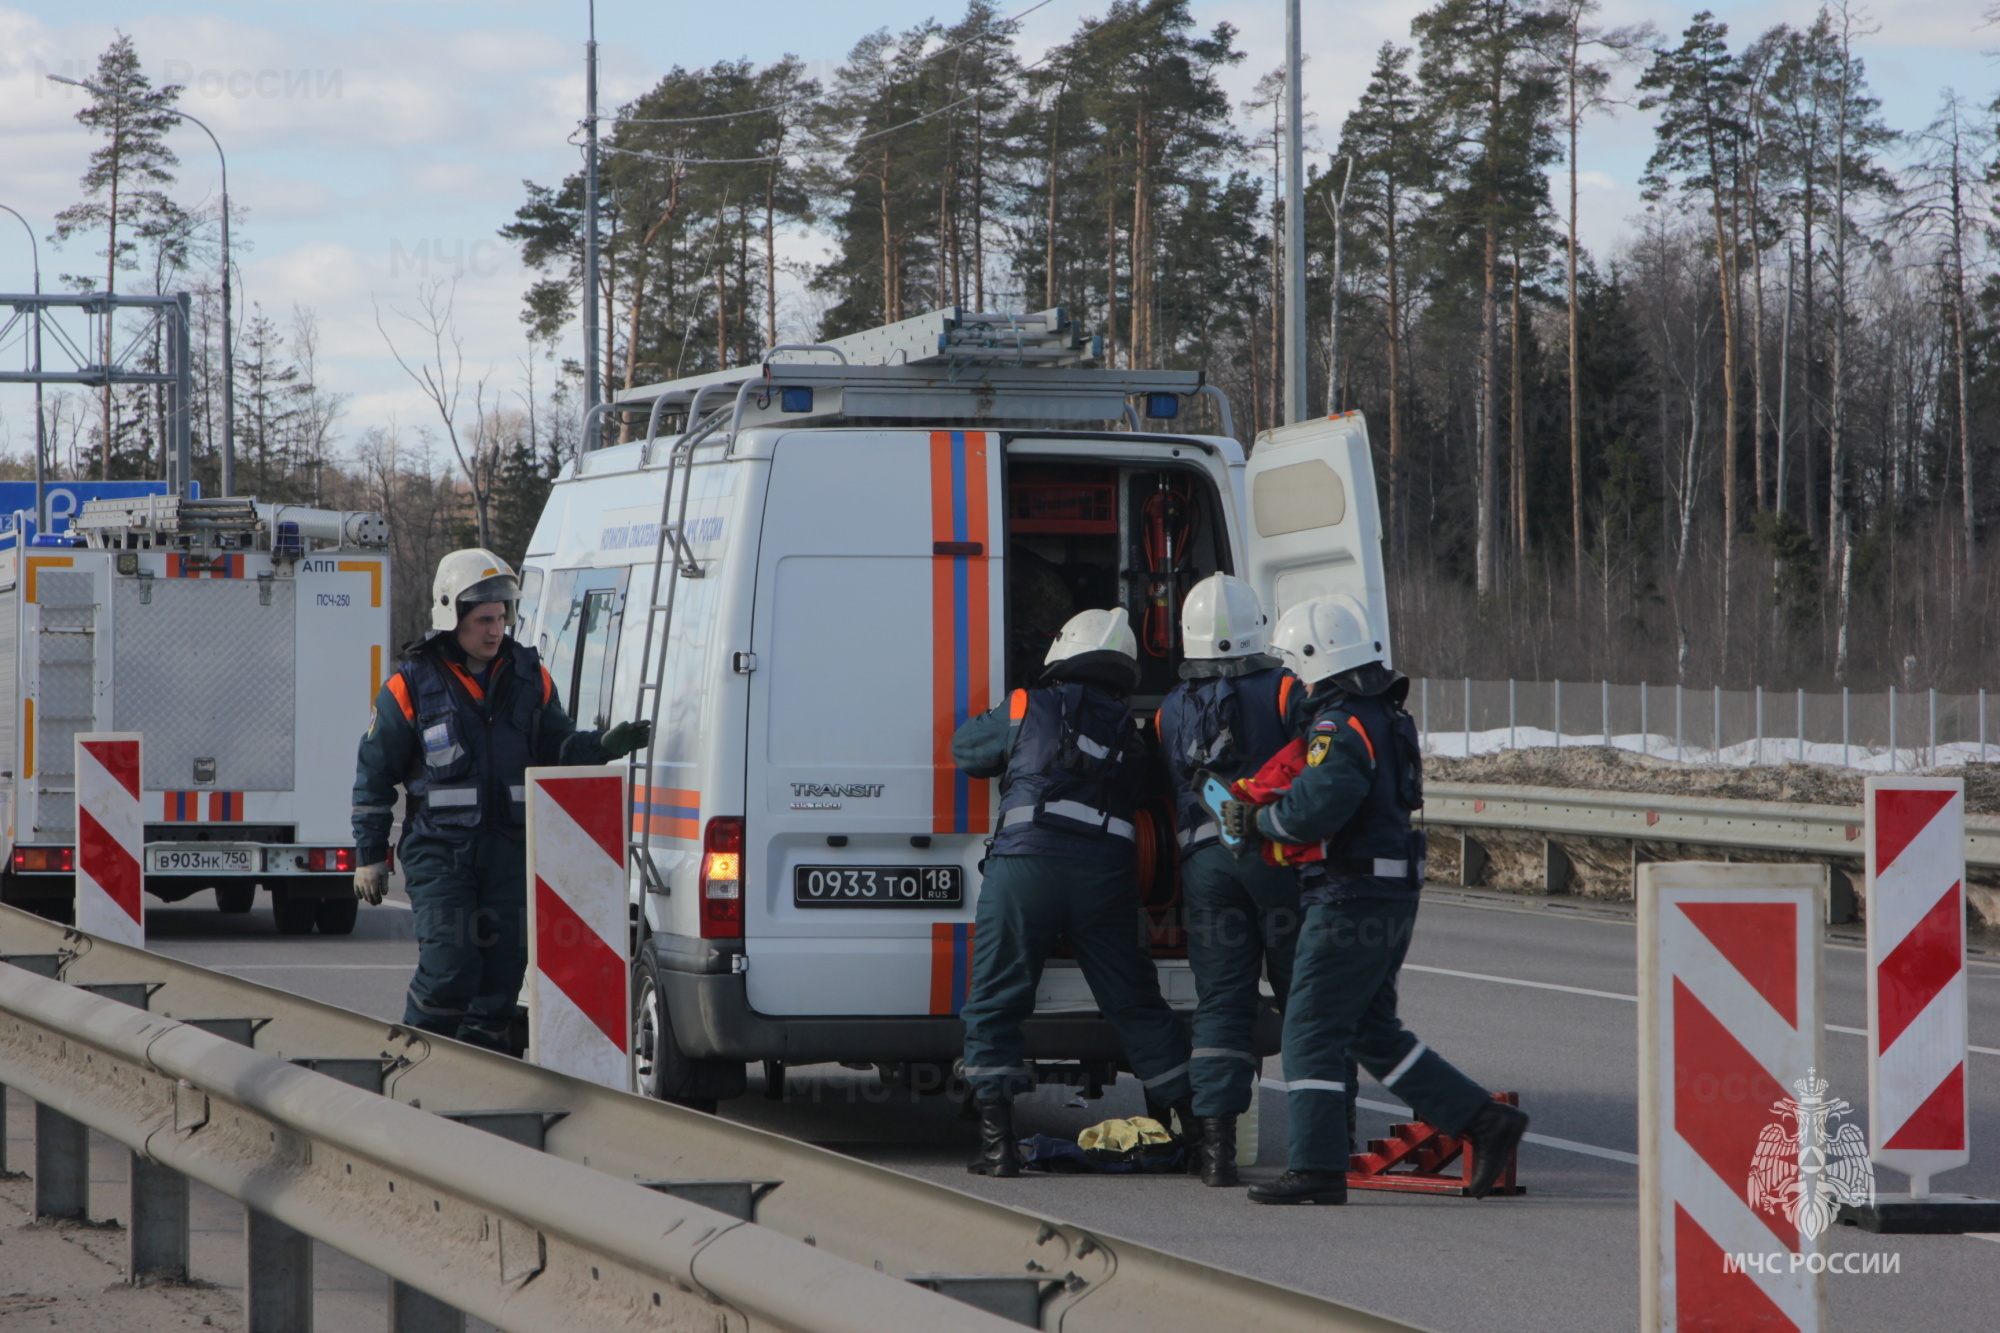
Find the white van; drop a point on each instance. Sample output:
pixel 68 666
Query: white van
pixel 809 572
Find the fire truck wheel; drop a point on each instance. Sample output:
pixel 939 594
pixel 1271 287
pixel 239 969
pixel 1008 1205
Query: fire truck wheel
pixel 235 898
pixel 336 916
pixel 295 912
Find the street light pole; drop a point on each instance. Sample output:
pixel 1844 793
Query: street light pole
pixel 228 346
pixel 41 426
pixel 590 381
pixel 1295 222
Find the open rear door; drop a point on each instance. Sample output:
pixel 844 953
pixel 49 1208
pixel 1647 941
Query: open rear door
pixel 1312 524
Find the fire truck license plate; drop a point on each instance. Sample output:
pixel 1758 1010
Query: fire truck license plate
pixel 878 886
pixel 185 860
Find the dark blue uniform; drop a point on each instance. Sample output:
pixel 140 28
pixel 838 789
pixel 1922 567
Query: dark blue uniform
pixel 1242 915
pixel 459 743
pixel 1062 866
pixel 1362 779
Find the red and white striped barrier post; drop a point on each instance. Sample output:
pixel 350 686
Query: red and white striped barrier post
pixel 1917 1024
pixel 1731 1105
pixel 110 838
pixel 579 964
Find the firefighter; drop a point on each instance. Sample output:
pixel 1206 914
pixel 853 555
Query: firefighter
pixel 1242 914
pixel 457 725
pixel 1063 864
pixel 1361 778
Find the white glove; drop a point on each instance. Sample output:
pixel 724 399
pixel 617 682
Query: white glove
pixel 371 883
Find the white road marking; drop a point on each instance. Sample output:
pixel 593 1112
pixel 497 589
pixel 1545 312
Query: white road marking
pixel 1517 981
pixel 1614 995
pixel 1543 1140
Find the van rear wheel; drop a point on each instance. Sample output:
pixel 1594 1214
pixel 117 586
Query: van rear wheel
pixel 660 1068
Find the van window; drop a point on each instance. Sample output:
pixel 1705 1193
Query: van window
pixel 578 635
pixel 593 639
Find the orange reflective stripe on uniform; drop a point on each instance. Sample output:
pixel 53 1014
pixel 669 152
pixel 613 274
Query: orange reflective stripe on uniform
pixel 1362 732
pixel 1017 705
pixel 399 688
pixel 548 685
pixel 472 686
pixel 1285 694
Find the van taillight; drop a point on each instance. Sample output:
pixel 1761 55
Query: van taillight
pixel 45 860
pixel 721 888
pixel 325 859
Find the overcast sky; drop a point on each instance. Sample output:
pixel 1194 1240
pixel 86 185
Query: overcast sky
pixel 376 145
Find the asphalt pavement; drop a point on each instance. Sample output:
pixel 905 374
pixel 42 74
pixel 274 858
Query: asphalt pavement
pixel 1533 996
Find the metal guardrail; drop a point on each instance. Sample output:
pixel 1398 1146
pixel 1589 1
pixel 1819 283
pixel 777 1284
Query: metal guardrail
pixel 567 1237
pixel 1814 830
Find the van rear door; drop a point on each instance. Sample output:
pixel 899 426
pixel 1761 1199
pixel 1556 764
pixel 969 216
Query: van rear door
pixel 1312 525
pixel 875 633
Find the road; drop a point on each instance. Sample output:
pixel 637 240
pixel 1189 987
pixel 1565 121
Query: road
pixel 1532 996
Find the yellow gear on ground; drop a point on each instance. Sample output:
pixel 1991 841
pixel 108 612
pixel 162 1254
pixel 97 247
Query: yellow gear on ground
pixel 1116 1137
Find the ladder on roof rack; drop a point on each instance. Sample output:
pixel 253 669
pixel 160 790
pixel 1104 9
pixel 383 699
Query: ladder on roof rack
pixel 658 624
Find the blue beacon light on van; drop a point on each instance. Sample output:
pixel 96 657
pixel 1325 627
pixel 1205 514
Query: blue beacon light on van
pixel 1163 406
pixel 796 400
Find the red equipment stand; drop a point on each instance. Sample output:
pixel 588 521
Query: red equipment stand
pixel 1414 1157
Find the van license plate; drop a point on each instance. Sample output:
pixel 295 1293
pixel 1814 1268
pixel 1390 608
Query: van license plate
pixel 192 860
pixel 878 886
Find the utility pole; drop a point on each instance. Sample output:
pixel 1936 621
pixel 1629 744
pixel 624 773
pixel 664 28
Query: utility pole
pixel 1336 204
pixel 41 423
pixel 591 386
pixel 1295 223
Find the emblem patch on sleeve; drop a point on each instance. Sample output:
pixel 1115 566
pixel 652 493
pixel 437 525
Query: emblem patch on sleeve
pixel 1316 751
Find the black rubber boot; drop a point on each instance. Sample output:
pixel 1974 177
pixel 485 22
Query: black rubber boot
pixel 999 1151
pixel 1302 1187
pixel 1491 1139
pixel 1215 1151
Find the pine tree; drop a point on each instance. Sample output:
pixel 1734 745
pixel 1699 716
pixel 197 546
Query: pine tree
pixel 1699 151
pixel 122 190
pixel 1483 69
pixel 1393 144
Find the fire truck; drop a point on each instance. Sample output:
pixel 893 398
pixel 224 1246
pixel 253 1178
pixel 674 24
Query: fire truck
pixel 244 642
pixel 808 572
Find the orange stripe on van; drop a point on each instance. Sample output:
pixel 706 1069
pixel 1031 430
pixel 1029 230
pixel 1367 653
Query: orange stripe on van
pixel 961 638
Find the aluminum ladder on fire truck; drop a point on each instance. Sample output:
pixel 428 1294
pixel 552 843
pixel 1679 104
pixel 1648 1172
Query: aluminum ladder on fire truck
pixel 1047 338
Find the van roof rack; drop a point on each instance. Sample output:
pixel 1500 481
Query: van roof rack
pixel 947 365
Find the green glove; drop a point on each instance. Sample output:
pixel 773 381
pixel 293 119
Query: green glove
pixel 626 737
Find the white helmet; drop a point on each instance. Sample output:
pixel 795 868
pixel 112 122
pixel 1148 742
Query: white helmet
pixel 1094 632
pixel 1223 618
pixel 466 579
pixel 1326 636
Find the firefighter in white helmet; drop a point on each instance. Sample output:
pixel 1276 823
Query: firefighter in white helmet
pixel 1227 718
pixel 1350 800
pixel 456 727
pixel 1063 865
